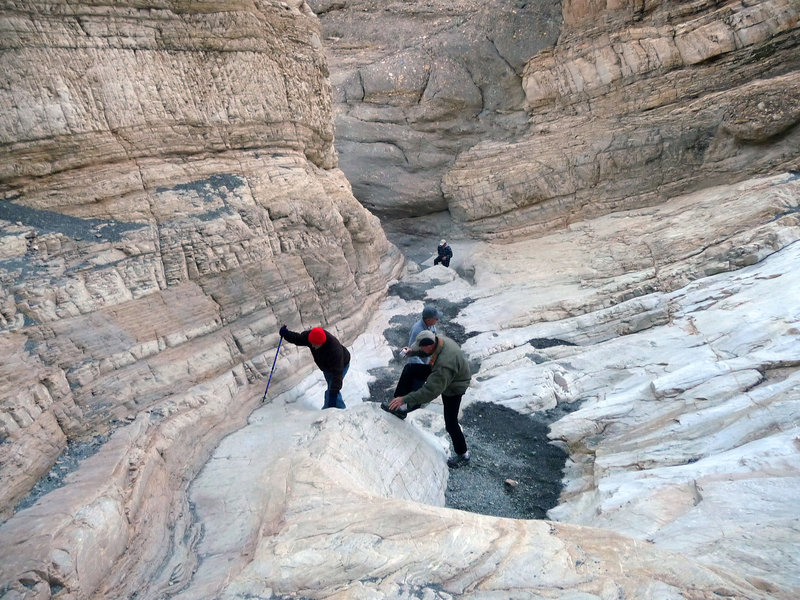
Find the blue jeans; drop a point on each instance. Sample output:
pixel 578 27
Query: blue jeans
pixel 338 401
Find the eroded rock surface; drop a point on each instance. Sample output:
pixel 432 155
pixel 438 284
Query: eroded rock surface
pixel 678 100
pixel 681 430
pixel 415 84
pixel 170 197
pixel 624 105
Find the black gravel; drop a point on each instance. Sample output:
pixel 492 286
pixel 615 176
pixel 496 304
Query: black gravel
pixel 45 221
pixel 514 470
pixel 67 462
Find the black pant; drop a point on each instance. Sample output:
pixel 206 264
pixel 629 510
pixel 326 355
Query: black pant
pixel 452 404
pixel 445 260
pixel 412 378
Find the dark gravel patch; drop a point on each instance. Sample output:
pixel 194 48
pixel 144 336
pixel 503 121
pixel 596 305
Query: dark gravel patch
pixel 542 343
pixel 67 462
pixel 514 471
pixel 46 221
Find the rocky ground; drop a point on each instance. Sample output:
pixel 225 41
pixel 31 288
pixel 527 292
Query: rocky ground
pixel 515 471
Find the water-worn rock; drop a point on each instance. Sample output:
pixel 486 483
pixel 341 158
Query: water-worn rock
pixel 679 412
pixel 682 427
pixel 332 524
pixel 625 105
pixel 612 262
pixel 170 197
pixel 417 83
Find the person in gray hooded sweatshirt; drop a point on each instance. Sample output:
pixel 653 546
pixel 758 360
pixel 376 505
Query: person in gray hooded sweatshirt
pixel 430 316
pixel 450 377
pixel 417 369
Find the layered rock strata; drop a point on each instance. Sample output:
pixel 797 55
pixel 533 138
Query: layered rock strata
pixel 416 84
pixel 624 105
pixel 681 428
pixel 157 230
pixel 170 197
pixel 628 114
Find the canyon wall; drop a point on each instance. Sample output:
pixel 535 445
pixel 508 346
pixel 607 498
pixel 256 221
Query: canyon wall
pixel 599 107
pixel 416 84
pixel 170 197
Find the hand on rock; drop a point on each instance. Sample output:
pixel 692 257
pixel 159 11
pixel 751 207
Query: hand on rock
pixel 283 331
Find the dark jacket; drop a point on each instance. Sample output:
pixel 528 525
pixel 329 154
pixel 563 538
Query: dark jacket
pixel 450 373
pixel 444 251
pixel 331 357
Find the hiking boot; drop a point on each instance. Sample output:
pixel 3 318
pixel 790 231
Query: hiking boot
pixel 400 414
pixel 459 460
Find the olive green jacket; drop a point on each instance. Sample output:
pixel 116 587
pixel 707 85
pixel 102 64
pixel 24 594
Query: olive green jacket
pixel 449 376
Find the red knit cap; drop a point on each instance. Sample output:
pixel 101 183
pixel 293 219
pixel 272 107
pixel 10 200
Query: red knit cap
pixel 317 336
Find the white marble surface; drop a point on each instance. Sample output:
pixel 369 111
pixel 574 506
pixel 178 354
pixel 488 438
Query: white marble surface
pixel 682 481
pixel 685 438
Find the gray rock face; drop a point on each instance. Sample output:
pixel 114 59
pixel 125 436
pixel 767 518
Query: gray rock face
pixel 624 106
pixel 170 197
pixel 416 84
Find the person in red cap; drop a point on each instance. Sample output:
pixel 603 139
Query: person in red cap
pixel 330 356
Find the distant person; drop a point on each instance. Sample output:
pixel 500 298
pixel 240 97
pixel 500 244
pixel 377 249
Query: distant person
pixel 417 369
pixel 445 253
pixel 330 356
pixel 449 377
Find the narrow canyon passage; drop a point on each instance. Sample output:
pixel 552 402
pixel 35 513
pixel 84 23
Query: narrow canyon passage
pixel 620 184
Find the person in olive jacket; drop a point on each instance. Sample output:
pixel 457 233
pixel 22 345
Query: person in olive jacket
pixel 450 377
pixel 330 356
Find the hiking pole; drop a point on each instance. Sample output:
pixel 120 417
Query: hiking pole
pixel 271 370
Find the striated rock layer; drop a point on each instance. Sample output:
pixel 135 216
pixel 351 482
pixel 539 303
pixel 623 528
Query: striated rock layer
pixel 680 417
pixel 417 83
pixel 629 110
pixel 170 197
pixel 506 120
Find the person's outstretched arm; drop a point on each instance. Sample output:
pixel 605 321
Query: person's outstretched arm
pixel 298 339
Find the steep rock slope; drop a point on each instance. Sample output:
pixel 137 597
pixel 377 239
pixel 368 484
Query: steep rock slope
pixel 631 108
pixel 625 105
pixel 170 196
